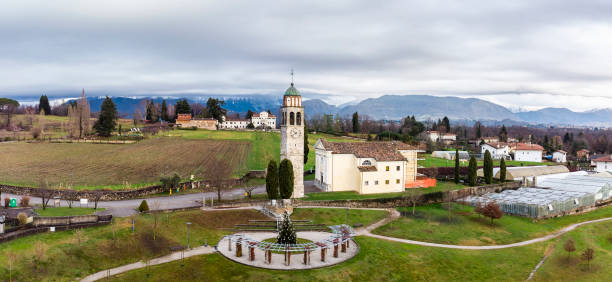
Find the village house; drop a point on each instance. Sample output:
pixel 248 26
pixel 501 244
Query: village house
pixel 582 154
pixel 185 120
pixel 603 164
pixel 234 123
pixel 437 136
pixel 527 152
pixel 497 150
pixel 559 156
pixel 490 139
pixel 264 120
pixel 365 167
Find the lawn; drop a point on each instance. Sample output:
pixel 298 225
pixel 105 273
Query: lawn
pixel 334 216
pixel 95 166
pixel 66 260
pixel 66 211
pixel 431 224
pixel 351 195
pixel 430 161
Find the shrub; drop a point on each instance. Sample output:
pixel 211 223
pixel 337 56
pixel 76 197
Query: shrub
pixel 492 211
pixel 25 201
pixel 7 202
pixel 22 218
pixel 144 207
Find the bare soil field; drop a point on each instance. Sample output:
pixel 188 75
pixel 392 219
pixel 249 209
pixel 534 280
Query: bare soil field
pixel 96 166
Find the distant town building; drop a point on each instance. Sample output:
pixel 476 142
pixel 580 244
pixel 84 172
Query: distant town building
pixel 497 150
pixel 490 139
pixel 263 120
pixel 365 167
pixel 527 152
pixel 185 120
pixel 559 156
pixel 603 164
pixel 234 123
pixel 582 154
pixel 437 136
pixel 450 155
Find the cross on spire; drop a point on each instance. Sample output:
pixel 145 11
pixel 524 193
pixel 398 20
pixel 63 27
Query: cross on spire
pixel 291 76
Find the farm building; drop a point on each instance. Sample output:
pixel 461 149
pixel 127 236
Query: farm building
pixel 551 197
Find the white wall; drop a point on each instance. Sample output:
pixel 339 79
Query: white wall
pixel 527 156
pixel 603 166
pixel 559 157
pixel 394 176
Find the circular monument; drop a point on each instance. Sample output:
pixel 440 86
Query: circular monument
pixel 322 249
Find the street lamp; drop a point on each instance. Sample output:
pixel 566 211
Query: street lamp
pixel 188 234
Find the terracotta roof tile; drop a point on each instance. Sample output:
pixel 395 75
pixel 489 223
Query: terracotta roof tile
pixel 528 147
pixel 381 151
pixel 604 159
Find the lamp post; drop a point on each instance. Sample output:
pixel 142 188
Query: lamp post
pixel 188 234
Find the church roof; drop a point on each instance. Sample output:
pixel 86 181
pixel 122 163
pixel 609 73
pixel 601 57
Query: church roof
pixel 292 91
pixel 381 151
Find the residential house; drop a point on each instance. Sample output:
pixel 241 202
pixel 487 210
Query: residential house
pixel 365 167
pixel 437 136
pixel 490 139
pixel 497 150
pixel 603 164
pixel 559 156
pixel 234 123
pixel 527 152
pixel 185 120
pixel 582 154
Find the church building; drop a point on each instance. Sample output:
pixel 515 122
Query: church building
pixel 365 167
pixel 292 137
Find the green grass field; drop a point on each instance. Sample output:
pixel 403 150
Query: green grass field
pixel 431 224
pixel 66 211
pixel 99 166
pixel 350 195
pixel 430 161
pixel 331 216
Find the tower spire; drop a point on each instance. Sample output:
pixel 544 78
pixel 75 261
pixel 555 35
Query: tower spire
pixel 291 76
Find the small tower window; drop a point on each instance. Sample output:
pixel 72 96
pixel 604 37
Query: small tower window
pixel 291 118
pixel 299 118
pixel 366 162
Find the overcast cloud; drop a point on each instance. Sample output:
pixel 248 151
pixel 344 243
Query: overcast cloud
pixel 554 53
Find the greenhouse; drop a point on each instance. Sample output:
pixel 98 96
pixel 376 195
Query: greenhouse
pixel 553 196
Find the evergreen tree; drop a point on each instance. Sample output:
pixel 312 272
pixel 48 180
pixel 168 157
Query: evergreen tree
pixel 213 106
pixel 446 124
pixel 456 165
pixel 285 178
pixel 164 111
pixel 488 167
pixel 355 122
pixel 306 149
pixel 272 180
pixel 503 134
pixel 472 169
pixel 182 107
pixel 286 233
pixel 107 120
pixel 478 130
pixel 249 114
pixel 502 170
pixel 43 105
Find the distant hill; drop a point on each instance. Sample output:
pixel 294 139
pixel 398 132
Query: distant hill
pixel 563 116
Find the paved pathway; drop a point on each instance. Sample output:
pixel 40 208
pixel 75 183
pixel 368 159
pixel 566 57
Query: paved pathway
pixel 128 267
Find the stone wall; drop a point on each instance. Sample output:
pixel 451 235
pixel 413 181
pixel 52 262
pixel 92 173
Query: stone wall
pixel 64 220
pixel 426 198
pixel 116 195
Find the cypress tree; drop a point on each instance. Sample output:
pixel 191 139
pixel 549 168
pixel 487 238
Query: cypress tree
pixel 43 105
pixel 502 170
pixel 306 149
pixel 488 167
pixel 456 165
pixel 164 111
pixel 272 180
pixel 355 122
pixel 472 171
pixel 108 118
pixel 285 178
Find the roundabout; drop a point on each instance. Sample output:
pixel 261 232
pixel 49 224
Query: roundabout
pixel 320 249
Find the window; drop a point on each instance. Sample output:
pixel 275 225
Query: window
pixel 365 183
pixel 387 168
pixel 387 181
pixel 397 168
pixel 396 181
pixel 299 118
pixel 366 162
pixel 291 118
pixel 376 182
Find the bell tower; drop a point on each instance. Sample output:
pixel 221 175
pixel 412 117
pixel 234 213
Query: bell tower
pixel 292 136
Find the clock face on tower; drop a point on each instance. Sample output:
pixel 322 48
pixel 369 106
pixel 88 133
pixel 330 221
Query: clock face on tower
pixel 295 133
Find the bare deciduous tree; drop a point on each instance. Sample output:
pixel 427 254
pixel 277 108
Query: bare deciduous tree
pixel 218 175
pixel 569 247
pixel 40 251
pixel 588 255
pixel 155 212
pixel 79 117
pixel 11 258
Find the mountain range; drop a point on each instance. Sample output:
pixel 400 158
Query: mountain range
pixel 392 107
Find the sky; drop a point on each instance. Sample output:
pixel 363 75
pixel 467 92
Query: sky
pixel 524 55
